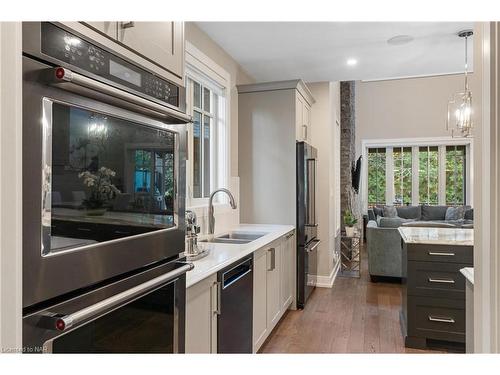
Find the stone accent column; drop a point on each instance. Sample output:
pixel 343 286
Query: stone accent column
pixel 348 198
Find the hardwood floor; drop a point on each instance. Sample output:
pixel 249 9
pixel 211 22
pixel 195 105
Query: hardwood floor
pixel 355 316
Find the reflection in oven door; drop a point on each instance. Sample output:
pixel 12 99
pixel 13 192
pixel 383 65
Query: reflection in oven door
pixel 145 325
pixel 107 178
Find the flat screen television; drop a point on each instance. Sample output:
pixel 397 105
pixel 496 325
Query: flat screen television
pixel 356 175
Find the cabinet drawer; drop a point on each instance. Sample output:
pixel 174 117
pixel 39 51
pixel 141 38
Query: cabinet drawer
pixel 436 279
pixel 440 253
pixel 436 318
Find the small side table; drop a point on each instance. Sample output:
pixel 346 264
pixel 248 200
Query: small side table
pixel 350 256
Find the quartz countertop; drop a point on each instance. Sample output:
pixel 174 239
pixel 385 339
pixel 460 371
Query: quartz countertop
pixel 468 272
pixel 222 255
pixel 437 236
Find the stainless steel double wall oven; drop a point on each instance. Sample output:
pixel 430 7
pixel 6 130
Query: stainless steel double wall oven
pixel 104 139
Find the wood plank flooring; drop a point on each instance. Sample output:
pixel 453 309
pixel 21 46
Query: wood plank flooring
pixel 355 316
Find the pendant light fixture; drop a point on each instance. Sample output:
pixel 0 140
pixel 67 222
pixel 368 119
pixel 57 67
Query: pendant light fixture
pixel 459 120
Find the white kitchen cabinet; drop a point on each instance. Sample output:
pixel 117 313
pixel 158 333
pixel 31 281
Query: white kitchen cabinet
pixel 273 286
pixel 273 255
pixel 259 298
pixel 106 27
pixel 303 126
pixel 201 317
pixel 161 42
pixel 269 114
pixel 287 278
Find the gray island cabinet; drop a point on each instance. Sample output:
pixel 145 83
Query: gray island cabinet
pixel 433 296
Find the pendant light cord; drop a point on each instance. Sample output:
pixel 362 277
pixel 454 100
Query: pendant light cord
pixel 466 66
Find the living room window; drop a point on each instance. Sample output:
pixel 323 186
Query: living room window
pixel 402 175
pixel 428 174
pixel 455 175
pixel 376 176
pixel 436 173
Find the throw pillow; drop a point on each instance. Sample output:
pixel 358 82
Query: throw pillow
pixel 378 211
pixel 390 211
pixel 455 213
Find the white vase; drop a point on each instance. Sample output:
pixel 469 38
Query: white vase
pixel 349 231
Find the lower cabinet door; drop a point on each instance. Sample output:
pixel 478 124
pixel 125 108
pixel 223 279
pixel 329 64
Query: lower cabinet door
pixel 286 279
pixel 273 284
pixel 259 298
pixel 201 319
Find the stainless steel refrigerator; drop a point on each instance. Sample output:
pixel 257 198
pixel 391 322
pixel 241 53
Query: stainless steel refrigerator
pixel 307 227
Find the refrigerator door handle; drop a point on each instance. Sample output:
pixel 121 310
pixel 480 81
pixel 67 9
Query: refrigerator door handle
pixel 311 193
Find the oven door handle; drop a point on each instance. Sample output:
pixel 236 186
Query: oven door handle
pixel 64 322
pixel 62 75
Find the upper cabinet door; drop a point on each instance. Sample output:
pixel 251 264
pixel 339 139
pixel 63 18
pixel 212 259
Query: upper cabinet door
pixel 300 129
pixel 106 27
pixel 160 42
pixel 306 119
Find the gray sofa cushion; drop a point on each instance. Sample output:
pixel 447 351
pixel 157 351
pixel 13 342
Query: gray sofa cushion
pixel 469 214
pixel 455 213
pixel 390 211
pixel 409 212
pixel 392 222
pixel 429 224
pixel 433 212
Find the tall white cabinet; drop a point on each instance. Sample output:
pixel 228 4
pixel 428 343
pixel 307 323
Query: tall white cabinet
pixel 272 116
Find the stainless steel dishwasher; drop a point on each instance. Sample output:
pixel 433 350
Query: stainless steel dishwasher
pixel 234 324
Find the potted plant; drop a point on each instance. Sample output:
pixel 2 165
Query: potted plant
pixel 349 222
pixel 101 190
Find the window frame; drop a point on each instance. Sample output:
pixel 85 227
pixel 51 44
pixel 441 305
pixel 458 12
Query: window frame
pixel 203 70
pixel 416 143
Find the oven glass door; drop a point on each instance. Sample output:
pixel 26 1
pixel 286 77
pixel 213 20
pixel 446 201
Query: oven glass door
pixel 147 325
pixel 104 178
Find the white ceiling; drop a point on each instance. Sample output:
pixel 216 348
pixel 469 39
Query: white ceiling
pixel 318 51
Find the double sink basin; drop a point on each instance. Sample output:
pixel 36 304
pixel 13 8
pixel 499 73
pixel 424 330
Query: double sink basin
pixel 236 237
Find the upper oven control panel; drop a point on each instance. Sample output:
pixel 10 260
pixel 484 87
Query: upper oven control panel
pixel 73 50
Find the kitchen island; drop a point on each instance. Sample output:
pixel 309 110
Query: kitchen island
pixel 433 300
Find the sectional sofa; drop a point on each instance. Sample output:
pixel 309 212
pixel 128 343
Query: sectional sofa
pixel 383 239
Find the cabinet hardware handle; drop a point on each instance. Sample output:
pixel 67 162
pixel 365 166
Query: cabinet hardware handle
pixel 441 320
pixel 304 133
pixel 289 236
pixel 127 25
pixel 442 281
pixel 218 286
pixel 441 254
pixel 273 259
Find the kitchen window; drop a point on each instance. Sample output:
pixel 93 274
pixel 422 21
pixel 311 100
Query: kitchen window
pixel 208 135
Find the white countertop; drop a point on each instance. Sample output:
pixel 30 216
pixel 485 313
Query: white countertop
pixel 468 272
pixel 222 255
pixel 437 236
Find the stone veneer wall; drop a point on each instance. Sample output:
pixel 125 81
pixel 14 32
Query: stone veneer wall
pixel 348 199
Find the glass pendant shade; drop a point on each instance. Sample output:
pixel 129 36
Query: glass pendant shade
pixel 460 112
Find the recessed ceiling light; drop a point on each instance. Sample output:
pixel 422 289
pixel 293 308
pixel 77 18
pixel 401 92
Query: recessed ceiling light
pixel 400 39
pixel 352 62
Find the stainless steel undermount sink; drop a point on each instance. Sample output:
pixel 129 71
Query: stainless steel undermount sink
pixel 243 235
pixel 236 237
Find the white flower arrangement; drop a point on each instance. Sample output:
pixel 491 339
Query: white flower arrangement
pixel 100 186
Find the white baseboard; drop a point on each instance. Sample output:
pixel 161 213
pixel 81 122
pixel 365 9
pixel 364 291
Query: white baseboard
pixel 327 281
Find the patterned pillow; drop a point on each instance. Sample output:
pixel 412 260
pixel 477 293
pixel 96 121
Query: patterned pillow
pixel 455 213
pixel 390 211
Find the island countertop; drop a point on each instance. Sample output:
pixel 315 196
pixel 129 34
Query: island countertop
pixel 437 236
